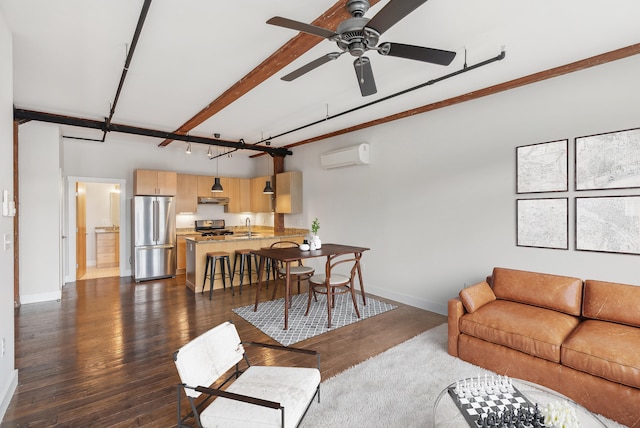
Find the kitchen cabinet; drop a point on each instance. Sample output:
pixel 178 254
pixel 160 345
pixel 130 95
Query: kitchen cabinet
pixel 107 249
pixel 289 192
pixel 152 182
pixel 239 196
pixel 260 203
pixel 187 194
pixel 181 241
pixel 205 182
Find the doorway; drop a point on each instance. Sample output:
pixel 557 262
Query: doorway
pixel 96 228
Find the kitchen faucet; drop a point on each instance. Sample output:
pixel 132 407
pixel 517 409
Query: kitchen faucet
pixel 247 223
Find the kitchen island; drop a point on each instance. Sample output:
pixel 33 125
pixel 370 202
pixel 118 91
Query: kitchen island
pixel 199 246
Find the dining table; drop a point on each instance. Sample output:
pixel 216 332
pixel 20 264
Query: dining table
pixel 294 254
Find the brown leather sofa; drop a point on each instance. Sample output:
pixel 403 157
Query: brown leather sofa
pixel 580 338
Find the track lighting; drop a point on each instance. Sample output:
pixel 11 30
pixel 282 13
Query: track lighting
pixel 209 154
pixel 188 151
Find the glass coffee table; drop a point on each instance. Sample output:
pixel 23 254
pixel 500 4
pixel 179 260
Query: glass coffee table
pixel 447 414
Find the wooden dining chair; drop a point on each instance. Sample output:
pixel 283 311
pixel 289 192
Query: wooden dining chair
pixel 298 271
pixel 332 283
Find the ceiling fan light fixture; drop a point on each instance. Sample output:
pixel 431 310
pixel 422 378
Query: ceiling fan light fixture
pixel 217 187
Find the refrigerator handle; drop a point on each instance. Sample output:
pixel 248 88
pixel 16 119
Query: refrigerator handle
pixel 155 221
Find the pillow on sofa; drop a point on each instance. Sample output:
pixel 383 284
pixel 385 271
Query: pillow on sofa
pixel 608 301
pixel 476 296
pixel 559 293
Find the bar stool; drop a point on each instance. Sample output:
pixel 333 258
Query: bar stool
pixel 210 270
pixel 245 258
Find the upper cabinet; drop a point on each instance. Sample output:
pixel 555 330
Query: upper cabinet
pixel 260 202
pixel 239 195
pixel 205 182
pixel 289 192
pixel 151 182
pixel 187 194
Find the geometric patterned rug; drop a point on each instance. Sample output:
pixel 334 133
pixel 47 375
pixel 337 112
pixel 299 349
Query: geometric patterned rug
pixel 269 317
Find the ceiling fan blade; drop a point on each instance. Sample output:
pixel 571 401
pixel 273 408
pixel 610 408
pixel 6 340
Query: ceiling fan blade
pixel 310 66
pixel 301 26
pixel 364 73
pixel 392 13
pixel 418 53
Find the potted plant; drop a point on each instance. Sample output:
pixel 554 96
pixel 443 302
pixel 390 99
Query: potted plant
pixel 315 226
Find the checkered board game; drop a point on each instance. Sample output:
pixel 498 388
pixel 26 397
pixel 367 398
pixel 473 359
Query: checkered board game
pixel 483 402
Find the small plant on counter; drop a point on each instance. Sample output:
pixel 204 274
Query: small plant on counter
pixel 315 226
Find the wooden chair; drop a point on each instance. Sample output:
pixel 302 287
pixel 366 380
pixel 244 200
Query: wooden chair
pixel 258 396
pixel 332 283
pixel 298 272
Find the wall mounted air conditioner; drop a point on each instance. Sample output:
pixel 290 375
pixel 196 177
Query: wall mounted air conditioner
pixel 354 155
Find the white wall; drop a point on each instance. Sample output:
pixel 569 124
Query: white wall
pixel 8 374
pixel 437 204
pixel 41 203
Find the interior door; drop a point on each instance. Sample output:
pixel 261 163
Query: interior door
pixel 81 230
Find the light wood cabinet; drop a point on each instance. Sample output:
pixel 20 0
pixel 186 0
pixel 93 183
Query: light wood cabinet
pixel 152 182
pixel 289 192
pixel 205 182
pixel 187 194
pixel 260 203
pixel 239 196
pixel 107 249
pixel 181 241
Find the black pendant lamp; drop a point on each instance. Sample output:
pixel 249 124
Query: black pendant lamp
pixel 268 190
pixel 217 187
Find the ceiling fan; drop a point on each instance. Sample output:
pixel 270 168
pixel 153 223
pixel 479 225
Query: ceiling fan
pixel 358 35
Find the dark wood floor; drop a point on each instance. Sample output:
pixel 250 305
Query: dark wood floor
pixel 102 356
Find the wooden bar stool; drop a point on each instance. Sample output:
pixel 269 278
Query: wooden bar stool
pixel 245 259
pixel 210 270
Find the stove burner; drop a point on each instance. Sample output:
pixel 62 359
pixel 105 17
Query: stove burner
pixel 219 232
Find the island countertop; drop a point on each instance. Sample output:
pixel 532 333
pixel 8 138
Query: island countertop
pixel 199 246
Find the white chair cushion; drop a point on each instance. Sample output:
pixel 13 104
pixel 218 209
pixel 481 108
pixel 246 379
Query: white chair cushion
pixel 297 270
pixel 292 387
pixel 336 279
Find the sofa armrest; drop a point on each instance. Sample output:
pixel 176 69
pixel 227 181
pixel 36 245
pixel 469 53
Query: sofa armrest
pixel 455 311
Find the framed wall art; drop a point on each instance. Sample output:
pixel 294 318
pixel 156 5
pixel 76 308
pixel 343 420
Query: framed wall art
pixel 542 167
pixel 608 224
pixel 543 223
pixel 608 161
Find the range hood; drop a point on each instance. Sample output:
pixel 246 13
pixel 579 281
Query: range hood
pixel 213 200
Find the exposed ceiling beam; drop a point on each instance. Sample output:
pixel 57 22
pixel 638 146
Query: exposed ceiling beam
pixel 512 84
pixel 284 56
pixel 20 115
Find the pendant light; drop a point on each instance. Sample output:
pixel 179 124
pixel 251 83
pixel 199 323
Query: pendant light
pixel 268 190
pixel 217 187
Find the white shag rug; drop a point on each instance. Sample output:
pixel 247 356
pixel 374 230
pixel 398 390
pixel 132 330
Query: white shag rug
pixel 397 388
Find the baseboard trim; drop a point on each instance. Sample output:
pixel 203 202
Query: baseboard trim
pixel 8 393
pixel 40 297
pixel 427 305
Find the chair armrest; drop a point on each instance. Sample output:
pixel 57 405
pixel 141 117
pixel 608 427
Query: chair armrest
pixel 454 313
pixel 285 348
pixel 238 397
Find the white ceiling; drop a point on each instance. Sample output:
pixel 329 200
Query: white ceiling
pixel 69 56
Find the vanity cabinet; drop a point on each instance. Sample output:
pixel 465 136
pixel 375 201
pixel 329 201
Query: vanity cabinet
pixel 289 192
pixel 152 182
pixel 107 249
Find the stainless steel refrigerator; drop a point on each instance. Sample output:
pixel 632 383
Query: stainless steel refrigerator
pixel 154 237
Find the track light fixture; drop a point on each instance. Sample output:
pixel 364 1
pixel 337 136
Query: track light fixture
pixel 188 151
pixel 209 154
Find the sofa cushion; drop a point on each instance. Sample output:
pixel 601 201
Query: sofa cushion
pixel 609 301
pixel 560 293
pixel 529 329
pixel 605 349
pixel 476 296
